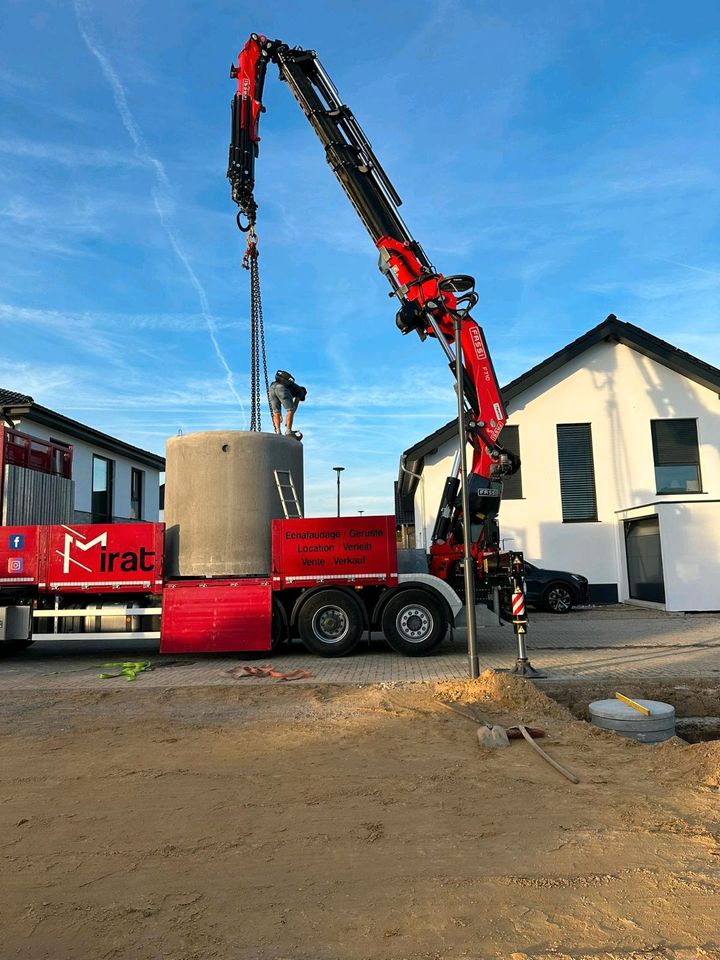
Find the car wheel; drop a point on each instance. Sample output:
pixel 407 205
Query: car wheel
pixel 414 622
pixel 559 598
pixel 330 623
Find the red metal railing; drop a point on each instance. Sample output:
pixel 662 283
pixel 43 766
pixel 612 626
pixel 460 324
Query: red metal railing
pixel 42 455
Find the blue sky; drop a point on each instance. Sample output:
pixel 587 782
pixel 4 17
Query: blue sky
pixel 565 154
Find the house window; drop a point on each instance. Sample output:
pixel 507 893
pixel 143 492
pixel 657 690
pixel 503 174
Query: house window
pixel 676 456
pixel 512 486
pixel 137 478
pixel 577 472
pixel 102 490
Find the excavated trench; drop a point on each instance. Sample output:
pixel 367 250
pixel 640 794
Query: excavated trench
pixel 696 702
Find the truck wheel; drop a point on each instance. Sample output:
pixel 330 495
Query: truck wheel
pixel 279 627
pixel 330 623
pixel 414 622
pixel 9 647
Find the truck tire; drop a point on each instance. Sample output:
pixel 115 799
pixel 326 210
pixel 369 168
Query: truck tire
pixel 330 623
pixel 9 647
pixel 279 629
pixel 414 622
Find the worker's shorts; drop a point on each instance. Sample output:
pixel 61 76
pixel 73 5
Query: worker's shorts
pixel 280 394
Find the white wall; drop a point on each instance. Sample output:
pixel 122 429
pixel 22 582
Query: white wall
pixel 429 491
pixel 82 473
pixel 690 546
pixel 690 537
pixel 619 391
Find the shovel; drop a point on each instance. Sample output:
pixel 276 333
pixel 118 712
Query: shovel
pixel 492 736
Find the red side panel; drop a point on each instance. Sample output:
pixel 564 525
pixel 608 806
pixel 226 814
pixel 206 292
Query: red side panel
pixel 19 556
pixel 113 557
pixel 216 616
pixel 361 550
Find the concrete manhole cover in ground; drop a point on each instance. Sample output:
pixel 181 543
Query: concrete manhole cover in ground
pixel 617 716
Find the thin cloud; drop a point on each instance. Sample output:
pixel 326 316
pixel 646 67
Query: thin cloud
pixel 10 80
pixel 101 320
pixel 715 274
pixel 64 155
pixel 74 328
pixel 35 379
pixel 162 194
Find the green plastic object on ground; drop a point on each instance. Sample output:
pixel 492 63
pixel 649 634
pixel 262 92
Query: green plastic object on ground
pixel 129 669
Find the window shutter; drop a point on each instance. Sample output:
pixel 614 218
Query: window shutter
pixel 674 441
pixel 577 472
pixel 512 486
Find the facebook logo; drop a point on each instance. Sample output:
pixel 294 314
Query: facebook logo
pixel 17 541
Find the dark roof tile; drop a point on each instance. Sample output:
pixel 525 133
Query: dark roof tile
pixel 9 398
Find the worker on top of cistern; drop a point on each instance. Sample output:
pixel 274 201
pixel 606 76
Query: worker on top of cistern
pixel 285 392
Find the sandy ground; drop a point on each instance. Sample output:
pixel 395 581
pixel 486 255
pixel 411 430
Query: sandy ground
pixel 323 822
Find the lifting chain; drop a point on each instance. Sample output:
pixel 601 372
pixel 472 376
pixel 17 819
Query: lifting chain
pixel 257 333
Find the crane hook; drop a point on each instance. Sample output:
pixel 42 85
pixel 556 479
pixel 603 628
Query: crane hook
pixel 244 229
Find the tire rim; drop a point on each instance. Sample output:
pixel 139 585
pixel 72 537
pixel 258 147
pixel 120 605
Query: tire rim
pixel 414 624
pixel 330 624
pixel 559 599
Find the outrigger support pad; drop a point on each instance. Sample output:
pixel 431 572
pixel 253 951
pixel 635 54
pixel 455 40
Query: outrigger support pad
pixel 523 668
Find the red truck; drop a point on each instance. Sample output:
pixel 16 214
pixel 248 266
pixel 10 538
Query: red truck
pixel 332 579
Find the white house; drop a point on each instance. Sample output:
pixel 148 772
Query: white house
pixel 113 480
pixel 619 437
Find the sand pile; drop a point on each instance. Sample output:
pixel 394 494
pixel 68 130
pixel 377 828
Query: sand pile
pixel 698 763
pixel 504 692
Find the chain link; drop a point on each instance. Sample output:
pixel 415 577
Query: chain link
pixel 261 328
pixel 257 335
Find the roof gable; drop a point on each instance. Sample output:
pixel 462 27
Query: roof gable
pixel 610 330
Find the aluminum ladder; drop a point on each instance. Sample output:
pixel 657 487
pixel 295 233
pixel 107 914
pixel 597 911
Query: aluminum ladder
pixel 288 495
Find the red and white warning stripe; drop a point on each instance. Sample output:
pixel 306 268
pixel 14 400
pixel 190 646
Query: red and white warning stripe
pixel 518 604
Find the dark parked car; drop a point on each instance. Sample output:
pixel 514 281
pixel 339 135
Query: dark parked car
pixel 554 590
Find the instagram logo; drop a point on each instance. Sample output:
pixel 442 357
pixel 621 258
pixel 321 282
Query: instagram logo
pixel 15 565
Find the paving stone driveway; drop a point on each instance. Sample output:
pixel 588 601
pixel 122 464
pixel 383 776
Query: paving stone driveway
pixel 584 645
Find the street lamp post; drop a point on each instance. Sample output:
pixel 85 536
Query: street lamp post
pixel 338 470
pixel 361 512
